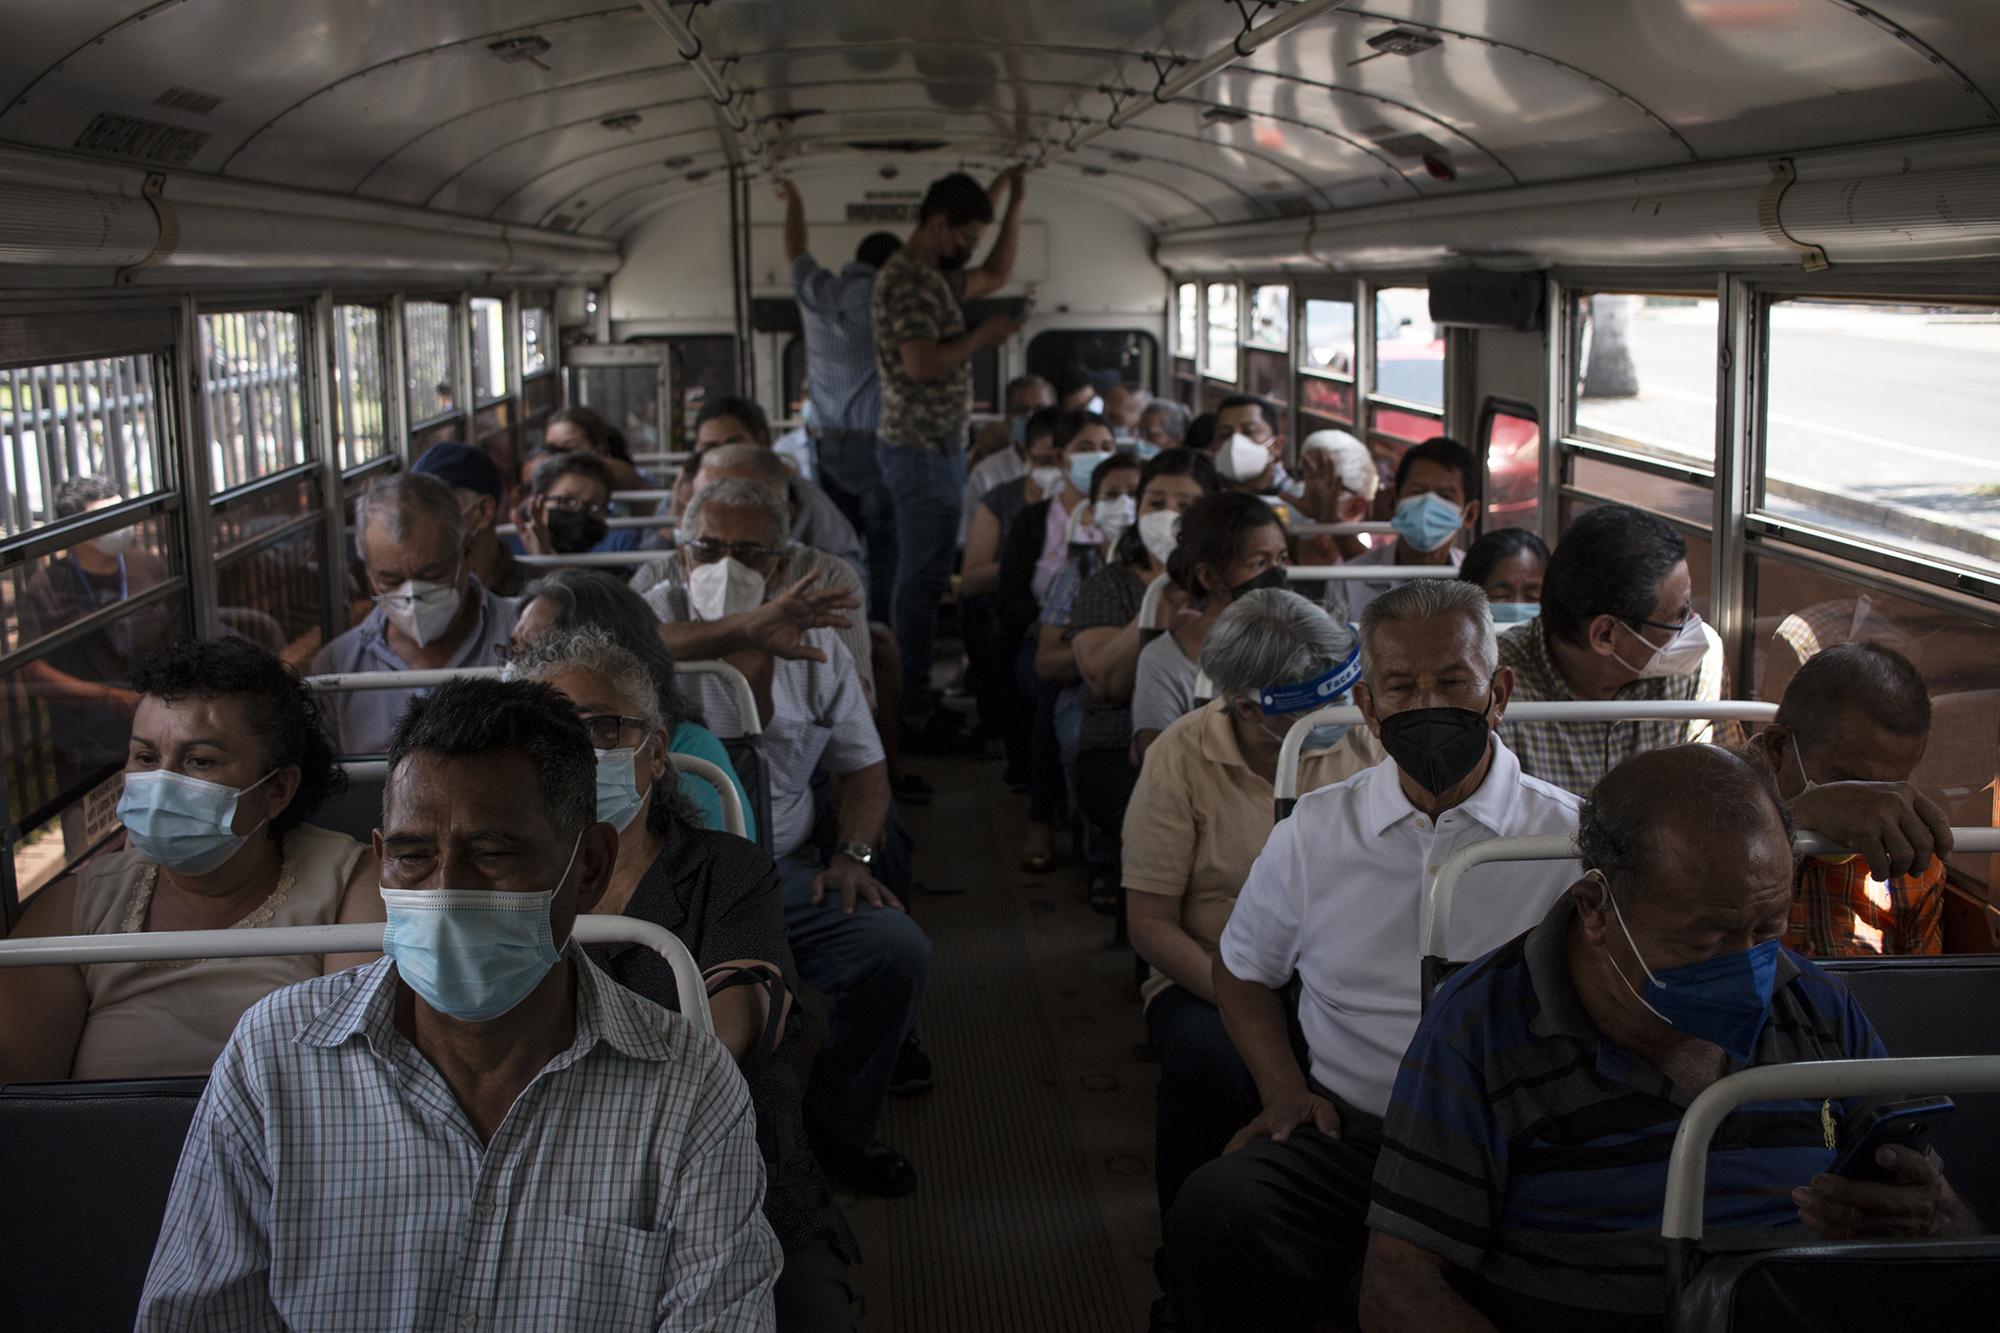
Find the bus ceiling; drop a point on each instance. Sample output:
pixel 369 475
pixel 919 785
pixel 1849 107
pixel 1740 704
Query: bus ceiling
pixel 462 136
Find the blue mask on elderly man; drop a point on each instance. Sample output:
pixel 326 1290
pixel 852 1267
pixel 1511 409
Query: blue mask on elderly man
pixel 1724 1000
pixel 472 953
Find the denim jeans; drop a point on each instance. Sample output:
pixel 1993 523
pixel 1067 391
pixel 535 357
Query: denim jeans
pixel 874 965
pixel 927 487
pixel 851 477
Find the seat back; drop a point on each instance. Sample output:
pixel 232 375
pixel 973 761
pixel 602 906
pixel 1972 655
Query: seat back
pixel 356 811
pixel 88 1167
pixel 1857 1286
pixel 746 756
pixel 1942 1006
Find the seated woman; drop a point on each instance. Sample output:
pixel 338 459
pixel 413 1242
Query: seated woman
pixel 1198 817
pixel 1508 563
pixel 568 509
pixel 720 896
pixel 570 599
pixel 1050 687
pixel 1105 637
pixel 1227 545
pixel 581 428
pixel 228 759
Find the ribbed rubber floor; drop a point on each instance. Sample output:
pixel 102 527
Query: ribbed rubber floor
pixel 1035 1209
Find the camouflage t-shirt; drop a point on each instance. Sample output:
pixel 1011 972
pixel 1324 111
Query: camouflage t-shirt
pixel 916 302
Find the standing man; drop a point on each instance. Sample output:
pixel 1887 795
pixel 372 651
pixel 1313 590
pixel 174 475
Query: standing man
pixel 923 354
pixel 842 388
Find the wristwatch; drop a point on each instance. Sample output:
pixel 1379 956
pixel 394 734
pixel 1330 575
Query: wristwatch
pixel 858 852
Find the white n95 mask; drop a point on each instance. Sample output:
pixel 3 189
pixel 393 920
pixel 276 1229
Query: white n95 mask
pixel 420 609
pixel 1242 458
pixel 727 587
pixel 1161 532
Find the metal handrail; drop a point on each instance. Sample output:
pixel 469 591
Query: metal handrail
pixel 1529 710
pixel 1149 605
pixel 733 820
pixel 615 522
pixel 1310 529
pixel 1687 1164
pixel 593 559
pixel 739 685
pixel 1359 573
pixel 347 681
pixel 642 495
pixel 360 937
pixel 1443 888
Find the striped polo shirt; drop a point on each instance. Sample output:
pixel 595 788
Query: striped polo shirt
pixel 1523 1147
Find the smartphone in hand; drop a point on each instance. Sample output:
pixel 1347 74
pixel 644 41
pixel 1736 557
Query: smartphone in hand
pixel 1912 1124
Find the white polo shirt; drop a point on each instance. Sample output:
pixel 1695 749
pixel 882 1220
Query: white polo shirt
pixel 1336 898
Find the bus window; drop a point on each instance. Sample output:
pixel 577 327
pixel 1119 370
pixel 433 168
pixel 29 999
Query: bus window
pixel 1645 374
pixel 250 361
pixel 489 350
pixel 1271 317
pixel 1510 436
pixel 358 384
pixel 1409 353
pixel 62 422
pixel 1878 425
pixel 1220 359
pixel 1329 337
pixel 538 339
pixel 1187 321
pixel 1129 354
pixel 430 355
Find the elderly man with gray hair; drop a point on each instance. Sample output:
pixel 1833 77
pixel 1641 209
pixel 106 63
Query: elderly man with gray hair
pixel 430 610
pixel 850 935
pixel 1270 1235
pixel 1198 817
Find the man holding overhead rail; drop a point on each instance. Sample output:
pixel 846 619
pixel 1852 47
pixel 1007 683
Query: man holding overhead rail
pixel 430 611
pixel 923 354
pixel 1524 1156
pixel 480 1129
pixel 1437 499
pixel 849 933
pixel 836 310
pixel 1856 712
pixel 1269 1235
pixel 1617 623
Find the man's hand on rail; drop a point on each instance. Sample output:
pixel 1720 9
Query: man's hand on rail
pixel 1892 825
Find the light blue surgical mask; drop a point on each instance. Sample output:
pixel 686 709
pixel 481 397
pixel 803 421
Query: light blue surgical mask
pixel 1428 521
pixel 1146 450
pixel 1082 465
pixel 1018 427
pixel 1514 613
pixel 472 954
pixel 619 799
pixel 1326 737
pixel 183 823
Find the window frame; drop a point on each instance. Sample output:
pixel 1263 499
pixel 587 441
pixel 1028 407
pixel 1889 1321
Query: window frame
pixel 1205 362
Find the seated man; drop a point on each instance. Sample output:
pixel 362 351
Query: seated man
pixel 481 493
pixel 816 520
pixel 1268 1236
pixel 762 468
pixel 430 612
pixel 1437 498
pixel 1617 622
pixel 1856 712
pixel 568 509
pixel 1163 425
pixel 850 935
pixel 1524 1158
pixel 1248 448
pixel 495 1135
pixel 1009 460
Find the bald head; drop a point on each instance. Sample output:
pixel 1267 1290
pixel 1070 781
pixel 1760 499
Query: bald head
pixel 1685 822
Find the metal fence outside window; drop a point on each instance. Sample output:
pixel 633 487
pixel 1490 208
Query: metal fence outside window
pixel 62 422
pixel 250 365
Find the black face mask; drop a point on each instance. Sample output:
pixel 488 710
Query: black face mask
pixel 573 531
pixel 1437 747
pixel 951 263
pixel 1274 577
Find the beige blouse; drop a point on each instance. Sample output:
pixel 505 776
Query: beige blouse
pixel 150 1020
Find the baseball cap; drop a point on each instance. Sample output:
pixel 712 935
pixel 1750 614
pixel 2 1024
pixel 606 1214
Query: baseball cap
pixel 463 467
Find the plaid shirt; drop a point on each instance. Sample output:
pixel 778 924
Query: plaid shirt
pixel 331 1181
pixel 1574 755
pixel 1841 911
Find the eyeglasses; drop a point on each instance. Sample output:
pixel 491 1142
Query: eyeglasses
pixel 707 550
pixel 575 504
pixel 1686 616
pixel 608 729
